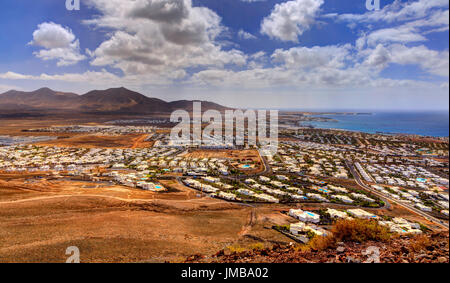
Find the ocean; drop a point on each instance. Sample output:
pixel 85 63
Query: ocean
pixel 434 124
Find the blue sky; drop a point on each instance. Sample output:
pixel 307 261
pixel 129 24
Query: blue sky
pixel 309 54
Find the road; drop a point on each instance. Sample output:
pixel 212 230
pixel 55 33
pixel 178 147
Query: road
pixel 138 141
pixel 267 169
pixel 388 199
pixel 76 196
pixel 266 165
pixel 180 182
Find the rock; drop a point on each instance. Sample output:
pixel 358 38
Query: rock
pixel 220 253
pixel 351 259
pixel 420 256
pixel 442 259
pixel 340 249
pixel 404 250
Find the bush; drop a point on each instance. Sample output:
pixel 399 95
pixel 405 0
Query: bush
pixel 257 246
pixel 236 249
pixel 320 243
pixel 358 230
pixel 420 243
pixel 351 231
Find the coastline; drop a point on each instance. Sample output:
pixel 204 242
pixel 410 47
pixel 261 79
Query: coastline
pixel 377 133
pixel 423 124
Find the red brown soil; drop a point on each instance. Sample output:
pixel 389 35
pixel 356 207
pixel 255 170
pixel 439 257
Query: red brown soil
pixel 398 250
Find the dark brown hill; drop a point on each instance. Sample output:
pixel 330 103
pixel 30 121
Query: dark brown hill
pixel 114 100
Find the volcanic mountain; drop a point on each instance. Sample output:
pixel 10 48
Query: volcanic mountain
pixel 114 100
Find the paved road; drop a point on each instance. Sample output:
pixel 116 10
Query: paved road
pixel 388 199
pixel 267 168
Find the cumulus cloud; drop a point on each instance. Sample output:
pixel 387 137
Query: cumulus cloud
pixel 160 36
pixel 378 58
pixel 396 12
pixel 408 21
pixel 167 11
pixel 328 66
pixel 245 35
pixel 103 78
pixel 291 19
pixel 402 34
pixel 315 57
pixel 263 78
pixel 51 35
pixel 432 61
pixel 331 67
pixel 408 24
pixel 162 43
pixel 59 44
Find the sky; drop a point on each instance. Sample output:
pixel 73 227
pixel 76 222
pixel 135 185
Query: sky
pixel 305 54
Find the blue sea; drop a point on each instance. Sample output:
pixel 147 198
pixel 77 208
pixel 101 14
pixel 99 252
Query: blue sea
pixel 434 124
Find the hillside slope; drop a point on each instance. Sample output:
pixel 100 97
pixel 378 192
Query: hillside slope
pixel 114 100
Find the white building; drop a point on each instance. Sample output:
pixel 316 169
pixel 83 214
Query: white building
pixel 362 214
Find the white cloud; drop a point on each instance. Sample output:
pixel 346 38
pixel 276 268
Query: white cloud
pixel 51 35
pixel 245 35
pixel 331 67
pixel 59 42
pixel 158 43
pixel 160 36
pixel 414 19
pixel 316 68
pixel 396 12
pixel 409 32
pixel 99 78
pixel 291 19
pixel 320 78
pixel 432 61
pixel 315 57
pixel 87 77
pixel 378 58
pixel 402 34
pixel 167 11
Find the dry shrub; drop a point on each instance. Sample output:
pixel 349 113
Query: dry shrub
pixel 351 230
pixel 236 249
pixel 302 248
pixel 321 243
pixel 257 246
pixel 359 230
pixel 420 243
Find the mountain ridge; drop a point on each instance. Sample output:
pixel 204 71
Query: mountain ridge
pixel 112 100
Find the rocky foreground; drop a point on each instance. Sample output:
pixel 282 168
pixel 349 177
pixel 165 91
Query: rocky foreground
pixel 433 248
